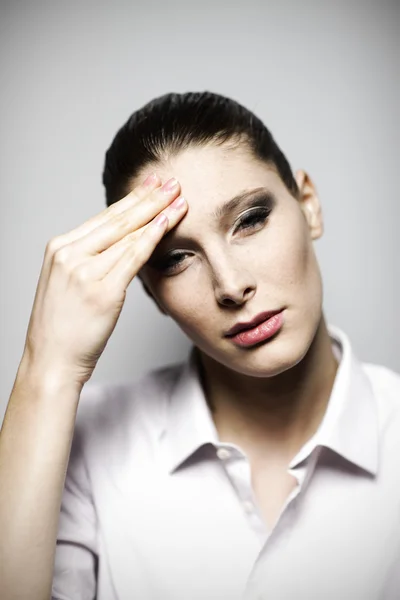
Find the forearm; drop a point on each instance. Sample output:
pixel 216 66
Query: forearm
pixel 35 443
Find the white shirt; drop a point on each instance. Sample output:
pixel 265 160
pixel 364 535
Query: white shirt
pixel 156 508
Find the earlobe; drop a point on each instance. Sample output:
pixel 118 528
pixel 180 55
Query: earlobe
pixel 309 204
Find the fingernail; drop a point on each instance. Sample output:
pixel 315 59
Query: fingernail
pixel 150 179
pixel 178 203
pixel 160 219
pixel 170 185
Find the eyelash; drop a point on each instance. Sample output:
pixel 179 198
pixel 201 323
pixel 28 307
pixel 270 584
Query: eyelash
pixel 251 219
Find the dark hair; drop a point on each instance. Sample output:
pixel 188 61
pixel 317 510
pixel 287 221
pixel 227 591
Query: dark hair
pixel 170 123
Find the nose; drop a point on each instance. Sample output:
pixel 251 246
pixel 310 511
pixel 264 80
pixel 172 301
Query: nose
pixel 233 282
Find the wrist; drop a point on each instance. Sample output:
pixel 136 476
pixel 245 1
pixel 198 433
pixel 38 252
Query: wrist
pixel 48 377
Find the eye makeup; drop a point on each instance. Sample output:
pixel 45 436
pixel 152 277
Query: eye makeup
pixel 258 207
pixel 257 210
pixel 252 218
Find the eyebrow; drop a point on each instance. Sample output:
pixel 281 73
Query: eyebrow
pixel 225 209
pixel 236 201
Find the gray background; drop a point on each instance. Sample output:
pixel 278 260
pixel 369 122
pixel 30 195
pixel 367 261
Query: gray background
pixel 324 76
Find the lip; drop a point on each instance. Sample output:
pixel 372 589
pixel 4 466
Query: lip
pixel 247 338
pixel 260 318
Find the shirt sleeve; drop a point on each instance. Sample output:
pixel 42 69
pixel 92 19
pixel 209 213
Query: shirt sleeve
pixel 76 557
pixel 391 588
pixel 392 584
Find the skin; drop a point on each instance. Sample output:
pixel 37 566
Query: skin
pixel 269 398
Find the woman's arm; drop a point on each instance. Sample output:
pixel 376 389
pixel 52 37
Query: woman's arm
pixel 80 294
pixel 35 443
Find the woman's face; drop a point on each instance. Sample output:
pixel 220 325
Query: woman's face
pixel 209 272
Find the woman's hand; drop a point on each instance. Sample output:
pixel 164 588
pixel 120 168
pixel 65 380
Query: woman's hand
pixel 85 275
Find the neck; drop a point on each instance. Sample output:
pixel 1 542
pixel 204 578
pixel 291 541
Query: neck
pixel 279 413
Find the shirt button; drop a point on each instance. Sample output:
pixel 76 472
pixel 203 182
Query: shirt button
pixel 248 506
pixel 223 453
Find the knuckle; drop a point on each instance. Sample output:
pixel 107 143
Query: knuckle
pixel 160 196
pixel 129 239
pixel 137 194
pixel 61 257
pixel 53 245
pixel 81 275
pixel 121 221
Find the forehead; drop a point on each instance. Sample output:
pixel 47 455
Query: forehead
pixel 209 176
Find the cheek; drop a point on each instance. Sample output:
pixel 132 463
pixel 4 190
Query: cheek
pixel 185 303
pixel 291 258
pixel 283 262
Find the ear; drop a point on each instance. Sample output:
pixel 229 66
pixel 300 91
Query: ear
pixel 309 204
pixel 149 293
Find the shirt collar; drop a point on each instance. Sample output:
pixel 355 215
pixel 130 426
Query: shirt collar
pixel 349 426
pixel 189 424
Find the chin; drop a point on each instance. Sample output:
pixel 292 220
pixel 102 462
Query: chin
pixel 267 362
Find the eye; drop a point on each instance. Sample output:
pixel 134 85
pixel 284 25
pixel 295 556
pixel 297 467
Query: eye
pixel 169 263
pixel 253 218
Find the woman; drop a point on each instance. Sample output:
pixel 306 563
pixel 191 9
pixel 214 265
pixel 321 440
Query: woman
pixel 265 466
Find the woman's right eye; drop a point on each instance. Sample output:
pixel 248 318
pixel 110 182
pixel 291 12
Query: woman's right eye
pixel 170 262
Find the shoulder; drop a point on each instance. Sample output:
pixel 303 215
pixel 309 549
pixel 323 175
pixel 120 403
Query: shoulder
pixel 385 384
pixel 111 408
pixel 385 381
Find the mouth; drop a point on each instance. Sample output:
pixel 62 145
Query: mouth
pixel 244 326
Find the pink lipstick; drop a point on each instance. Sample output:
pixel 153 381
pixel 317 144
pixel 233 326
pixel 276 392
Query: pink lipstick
pixel 264 327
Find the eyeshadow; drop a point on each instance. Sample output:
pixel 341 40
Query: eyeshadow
pixel 225 214
pixel 244 199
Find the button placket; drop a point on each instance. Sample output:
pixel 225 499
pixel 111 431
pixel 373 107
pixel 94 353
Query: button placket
pixel 238 471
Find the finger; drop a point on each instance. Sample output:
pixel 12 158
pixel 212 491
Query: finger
pixel 99 266
pixel 137 255
pixel 127 222
pixel 135 196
